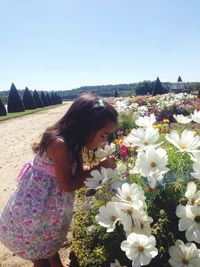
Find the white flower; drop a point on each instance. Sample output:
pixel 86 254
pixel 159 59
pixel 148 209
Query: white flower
pixel 108 216
pixel 189 221
pixel 143 225
pixel 152 164
pixel 116 264
pixel 182 119
pixel 191 194
pixel 121 106
pixel 130 193
pixel 106 151
pixel 105 177
pixel 146 121
pixel 137 222
pixel 187 142
pixel 140 249
pixel 196 169
pixel 196 116
pixel 183 255
pixel 142 138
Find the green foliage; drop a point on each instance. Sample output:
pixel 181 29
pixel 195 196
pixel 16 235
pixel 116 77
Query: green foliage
pixel 3 111
pixel 95 247
pixel 14 101
pixel 37 100
pixel 126 121
pixel 144 88
pixel 179 79
pixel 28 100
pixel 158 88
pixel 44 99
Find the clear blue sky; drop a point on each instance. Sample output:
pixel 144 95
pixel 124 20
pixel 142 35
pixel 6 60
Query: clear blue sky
pixel 65 44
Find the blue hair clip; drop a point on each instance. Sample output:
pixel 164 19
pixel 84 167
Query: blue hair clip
pixel 101 103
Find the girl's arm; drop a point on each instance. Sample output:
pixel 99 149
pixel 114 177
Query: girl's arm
pixel 58 152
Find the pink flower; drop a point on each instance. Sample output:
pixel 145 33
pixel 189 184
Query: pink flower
pixel 123 151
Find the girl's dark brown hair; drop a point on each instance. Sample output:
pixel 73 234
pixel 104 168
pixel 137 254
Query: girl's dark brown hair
pixel 85 117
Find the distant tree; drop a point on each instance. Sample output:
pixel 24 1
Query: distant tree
pixel 158 88
pixel 44 99
pixel 143 88
pixel 116 93
pixel 37 100
pixel 48 97
pixel 179 79
pixel 28 100
pixel 14 101
pixel 3 111
pixel 59 99
pixel 53 98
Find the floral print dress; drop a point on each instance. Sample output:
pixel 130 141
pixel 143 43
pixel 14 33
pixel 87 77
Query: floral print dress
pixel 35 221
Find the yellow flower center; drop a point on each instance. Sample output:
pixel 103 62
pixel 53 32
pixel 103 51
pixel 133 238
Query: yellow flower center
pixel 153 164
pixel 185 261
pixel 183 146
pixel 129 211
pixel 113 218
pixel 129 198
pixel 145 143
pixel 141 248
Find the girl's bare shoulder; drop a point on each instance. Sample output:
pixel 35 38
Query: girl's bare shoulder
pixel 56 148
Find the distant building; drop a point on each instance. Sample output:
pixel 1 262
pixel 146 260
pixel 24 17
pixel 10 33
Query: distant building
pixel 178 87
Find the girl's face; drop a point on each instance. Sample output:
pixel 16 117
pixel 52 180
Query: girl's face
pixel 101 136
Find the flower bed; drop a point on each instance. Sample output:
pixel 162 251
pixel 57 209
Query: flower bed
pixel 146 211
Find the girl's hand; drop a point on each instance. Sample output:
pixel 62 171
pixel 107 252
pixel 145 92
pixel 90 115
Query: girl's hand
pixel 108 162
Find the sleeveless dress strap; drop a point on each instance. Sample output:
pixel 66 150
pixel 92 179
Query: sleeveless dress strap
pixel 27 166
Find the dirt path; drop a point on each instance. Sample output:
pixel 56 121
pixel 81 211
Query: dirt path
pixel 16 138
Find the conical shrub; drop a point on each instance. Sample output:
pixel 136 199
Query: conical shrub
pixel 59 99
pixel 49 99
pixel 53 98
pixel 14 101
pixel 37 100
pixel 44 99
pixel 3 111
pixel 28 100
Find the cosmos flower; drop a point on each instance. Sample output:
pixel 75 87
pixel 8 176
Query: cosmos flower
pixel 196 116
pixel 182 119
pixel 106 151
pixel 146 121
pixel 186 142
pixel 151 164
pixel 108 216
pixel 183 255
pixel 140 249
pixel 189 221
pixel 142 138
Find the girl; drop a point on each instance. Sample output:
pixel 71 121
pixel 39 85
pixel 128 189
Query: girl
pixel 36 218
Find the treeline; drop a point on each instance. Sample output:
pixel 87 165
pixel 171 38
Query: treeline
pixel 17 102
pixel 140 88
pixel 134 89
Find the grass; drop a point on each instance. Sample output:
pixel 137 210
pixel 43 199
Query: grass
pixel 24 113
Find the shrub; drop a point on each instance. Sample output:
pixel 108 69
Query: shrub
pixel 3 111
pixel 44 99
pixel 14 101
pixel 28 100
pixel 126 120
pixel 37 100
pixel 49 100
pixel 94 247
